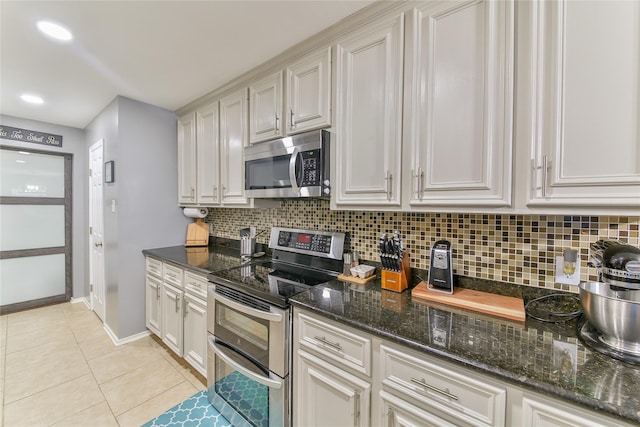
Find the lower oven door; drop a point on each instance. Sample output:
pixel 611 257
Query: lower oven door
pixel 245 393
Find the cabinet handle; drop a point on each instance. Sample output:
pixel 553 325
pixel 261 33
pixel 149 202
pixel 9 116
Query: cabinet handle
pixel 184 307
pixel 545 169
pixel 432 388
pixel 158 292
pixel 293 120
pixel 421 183
pixel 215 191
pixel 389 178
pixel 323 340
pixel 177 303
pixel 356 409
pixel 192 192
pixel 277 122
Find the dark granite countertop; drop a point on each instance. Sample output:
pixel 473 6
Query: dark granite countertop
pixel 545 357
pixel 219 255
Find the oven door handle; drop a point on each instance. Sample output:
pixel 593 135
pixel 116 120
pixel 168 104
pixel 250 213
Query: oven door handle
pixel 271 383
pixel 271 317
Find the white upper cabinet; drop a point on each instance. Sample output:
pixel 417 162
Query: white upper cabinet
pixel 459 104
pixel 187 159
pixel 367 149
pixel 265 113
pixel 584 112
pixel 308 83
pixel 207 155
pixel 233 139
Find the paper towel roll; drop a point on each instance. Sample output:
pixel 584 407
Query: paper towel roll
pixel 195 212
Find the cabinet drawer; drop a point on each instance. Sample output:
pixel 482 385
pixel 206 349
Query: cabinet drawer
pixel 345 348
pixel 172 274
pixel 455 393
pixel 154 267
pixel 196 284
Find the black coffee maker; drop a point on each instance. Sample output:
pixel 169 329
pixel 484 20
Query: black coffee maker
pixel 440 268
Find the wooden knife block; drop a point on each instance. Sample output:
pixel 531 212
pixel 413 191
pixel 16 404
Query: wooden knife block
pixel 397 281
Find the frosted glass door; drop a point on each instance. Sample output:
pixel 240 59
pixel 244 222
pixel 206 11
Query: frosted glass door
pixel 35 220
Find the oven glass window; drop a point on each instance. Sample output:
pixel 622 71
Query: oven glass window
pixel 268 173
pixel 247 397
pixel 248 334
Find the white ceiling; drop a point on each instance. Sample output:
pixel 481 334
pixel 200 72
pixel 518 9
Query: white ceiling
pixel 165 53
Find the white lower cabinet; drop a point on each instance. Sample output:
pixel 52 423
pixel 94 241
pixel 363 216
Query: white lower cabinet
pixel 328 396
pixel 172 322
pixel 195 332
pixel 153 304
pixel 395 412
pixel 333 387
pixel 176 310
pixel 538 411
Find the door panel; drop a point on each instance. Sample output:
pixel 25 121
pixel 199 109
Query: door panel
pixel 35 228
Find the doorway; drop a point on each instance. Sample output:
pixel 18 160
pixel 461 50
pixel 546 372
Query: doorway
pixel 35 228
pixel 96 229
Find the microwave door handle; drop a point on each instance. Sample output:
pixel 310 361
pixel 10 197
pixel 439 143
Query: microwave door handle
pixel 264 315
pixel 295 154
pixel 271 383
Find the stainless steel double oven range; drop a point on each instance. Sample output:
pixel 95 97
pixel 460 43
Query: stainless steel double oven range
pixel 249 325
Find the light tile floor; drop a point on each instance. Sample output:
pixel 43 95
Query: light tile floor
pixel 59 368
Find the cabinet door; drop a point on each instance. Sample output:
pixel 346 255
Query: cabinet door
pixel 369 115
pixel 460 103
pixel 187 159
pixel 195 333
pixel 539 413
pixel 153 305
pixel 585 106
pixel 233 139
pixel 328 396
pixel 172 321
pixel 265 108
pixel 207 155
pixel 309 93
pixel 395 412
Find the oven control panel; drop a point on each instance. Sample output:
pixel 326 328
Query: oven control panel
pixel 311 242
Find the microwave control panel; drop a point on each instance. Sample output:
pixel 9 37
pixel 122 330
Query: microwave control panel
pixel 311 168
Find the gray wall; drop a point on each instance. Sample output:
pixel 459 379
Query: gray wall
pixel 141 139
pixel 73 142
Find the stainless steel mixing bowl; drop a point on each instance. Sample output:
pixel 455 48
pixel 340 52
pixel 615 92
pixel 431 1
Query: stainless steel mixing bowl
pixel 615 313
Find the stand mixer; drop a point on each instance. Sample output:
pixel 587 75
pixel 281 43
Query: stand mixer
pixel 612 305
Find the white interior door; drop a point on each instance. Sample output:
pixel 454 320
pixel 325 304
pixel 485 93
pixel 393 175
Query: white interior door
pixel 96 229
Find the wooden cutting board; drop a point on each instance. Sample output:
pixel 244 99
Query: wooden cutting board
pixel 483 302
pixel 355 279
pixel 197 234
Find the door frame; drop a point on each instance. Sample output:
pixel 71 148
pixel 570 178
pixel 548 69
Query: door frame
pixel 99 145
pixel 68 247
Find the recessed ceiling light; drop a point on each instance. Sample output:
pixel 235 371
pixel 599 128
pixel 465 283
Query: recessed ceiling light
pixel 32 99
pixel 54 30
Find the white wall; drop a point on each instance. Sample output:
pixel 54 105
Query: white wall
pixel 73 142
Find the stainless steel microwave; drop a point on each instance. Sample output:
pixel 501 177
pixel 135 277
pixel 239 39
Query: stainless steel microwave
pixel 291 167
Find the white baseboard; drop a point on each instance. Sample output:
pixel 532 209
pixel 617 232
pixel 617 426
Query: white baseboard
pixel 121 341
pixel 79 300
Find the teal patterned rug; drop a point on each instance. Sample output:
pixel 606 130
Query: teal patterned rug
pixel 196 411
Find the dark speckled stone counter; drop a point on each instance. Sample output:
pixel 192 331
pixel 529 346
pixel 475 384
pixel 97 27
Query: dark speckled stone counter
pixel 205 259
pixel 545 357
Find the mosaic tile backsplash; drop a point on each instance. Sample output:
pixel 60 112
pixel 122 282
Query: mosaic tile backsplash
pixel 517 249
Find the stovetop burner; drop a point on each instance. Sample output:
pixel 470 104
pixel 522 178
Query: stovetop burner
pixel 594 339
pixel 272 282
